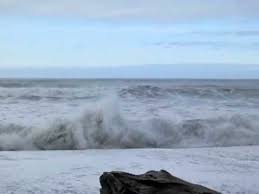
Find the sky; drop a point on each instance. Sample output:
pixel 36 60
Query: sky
pixel 130 38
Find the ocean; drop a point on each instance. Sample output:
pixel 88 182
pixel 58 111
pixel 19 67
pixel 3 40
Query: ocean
pixel 78 114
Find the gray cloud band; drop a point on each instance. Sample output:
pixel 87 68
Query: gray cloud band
pixel 162 10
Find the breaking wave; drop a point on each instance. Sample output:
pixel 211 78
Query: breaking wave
pixel 103 126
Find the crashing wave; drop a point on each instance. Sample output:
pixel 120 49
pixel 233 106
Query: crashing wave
pixel 103 126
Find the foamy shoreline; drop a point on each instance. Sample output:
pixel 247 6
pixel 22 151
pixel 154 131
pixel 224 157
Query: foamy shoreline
pixel 229 169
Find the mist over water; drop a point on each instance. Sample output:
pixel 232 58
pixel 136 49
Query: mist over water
pixel 86 114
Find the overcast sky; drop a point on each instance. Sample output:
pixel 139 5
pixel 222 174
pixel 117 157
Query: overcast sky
pixel 45 35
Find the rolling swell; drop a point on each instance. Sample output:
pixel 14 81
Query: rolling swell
pixel 103 126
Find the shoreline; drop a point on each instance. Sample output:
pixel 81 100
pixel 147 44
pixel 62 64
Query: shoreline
pixel 223 169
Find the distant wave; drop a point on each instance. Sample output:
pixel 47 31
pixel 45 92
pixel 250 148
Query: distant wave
pixel 19 91
pixel 42 83
pixel 103 126
pixel 53 94
pixel 152 91
pixel 53 98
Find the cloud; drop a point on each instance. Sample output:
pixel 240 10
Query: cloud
pixel 150 10
pixel 207 44
pixel 225 33
pixel 189 44
pixel 247 33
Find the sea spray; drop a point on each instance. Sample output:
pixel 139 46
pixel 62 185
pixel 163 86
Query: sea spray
pixel 102 125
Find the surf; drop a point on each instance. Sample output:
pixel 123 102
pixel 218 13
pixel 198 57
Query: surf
pixel 102 125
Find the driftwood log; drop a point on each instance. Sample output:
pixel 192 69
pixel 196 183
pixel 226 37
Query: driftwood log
pixel 152 182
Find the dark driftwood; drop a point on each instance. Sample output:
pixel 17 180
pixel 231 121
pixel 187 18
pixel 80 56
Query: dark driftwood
pixel 152 182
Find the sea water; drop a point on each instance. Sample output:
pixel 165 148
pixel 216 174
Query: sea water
pixel 71 114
